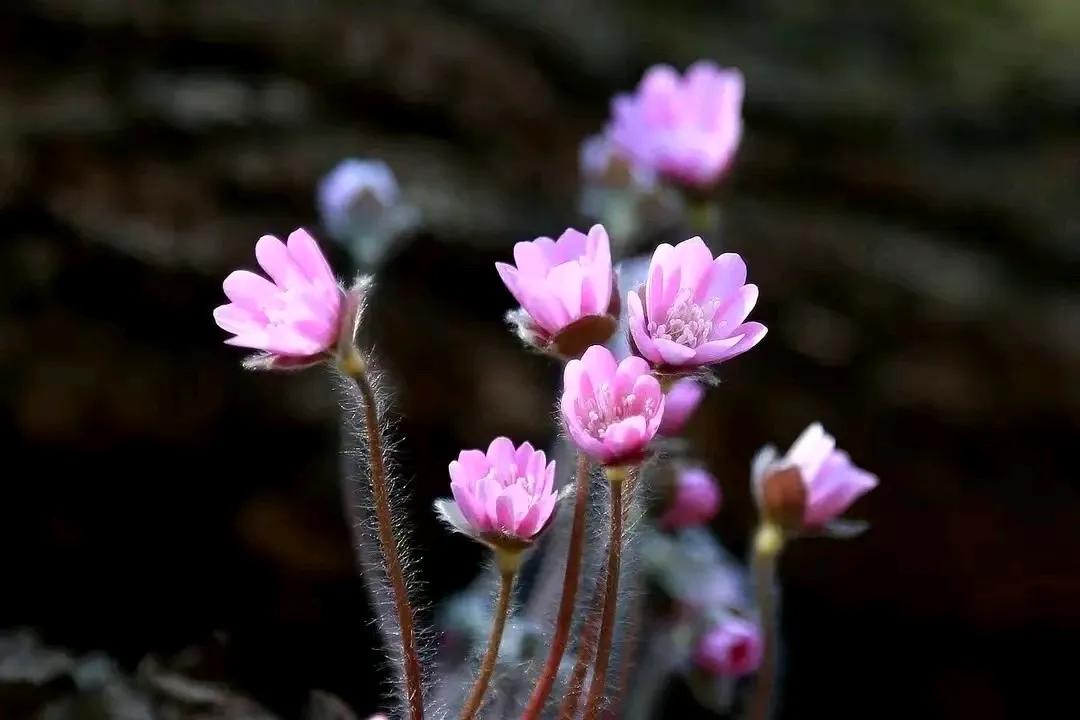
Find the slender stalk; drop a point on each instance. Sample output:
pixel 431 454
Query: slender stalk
pixel 586 651
pixel 607 619
pixel 768 542
pixel 569 592
pixel 629 650
pixel 354 365
pixel 509 561
pixel 587 647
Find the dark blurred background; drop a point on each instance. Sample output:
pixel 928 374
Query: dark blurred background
pixel 906 197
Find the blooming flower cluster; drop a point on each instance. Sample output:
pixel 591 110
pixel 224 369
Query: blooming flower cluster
pixel 685 316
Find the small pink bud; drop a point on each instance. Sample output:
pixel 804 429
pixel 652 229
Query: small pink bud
pixel 611 410
pixel 686 128
pixel 732 648
pixel 564 287
pixel 503 497
pixel 296 315
pixel 812 485
pixel 694 501
pixel 692 309
pixel 680 403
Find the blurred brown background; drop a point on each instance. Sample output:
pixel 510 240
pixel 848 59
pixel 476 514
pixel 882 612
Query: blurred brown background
pixel 906 196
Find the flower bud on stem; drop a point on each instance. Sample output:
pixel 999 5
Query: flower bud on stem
pixel 768 543
pixel 508 562
pixel 353 364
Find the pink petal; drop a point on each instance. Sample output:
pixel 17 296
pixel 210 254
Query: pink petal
pixel 509 276
pixel 636 321
pixel 749 334
pixel 599 274
pixel 835 488
pixel 694 261
pixel 530 258
pixel 731 314
pixel 564 282
pixel 626 437
pixel 500 454
pixel 274 258
pixel 235 319
pixel 673 353
pixel 627 373
pixel 503 514
pixel 470 508
pixel 728 274
pixel 656 291
pixel 599 364
pixel 308 257
pixel 570 247
pixel 249 290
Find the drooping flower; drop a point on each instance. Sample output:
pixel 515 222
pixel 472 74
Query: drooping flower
pixel 503 497
pixel 812 485
pixel 681 401
pixel 692 309
pixel 354 191
pixel 687 127
pixel 293 317
pixel 694 500
pixel 611 410
pixel 733 648
pixel 564 287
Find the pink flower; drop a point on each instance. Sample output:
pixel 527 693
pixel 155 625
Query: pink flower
pixel 560 283
pixel 830 482
pixel 695 499
pixel 504 496
pixel 684 127
pixel 732 648
pixel 681 402
pixel 611 410
pixel 692 309
pixel 295 314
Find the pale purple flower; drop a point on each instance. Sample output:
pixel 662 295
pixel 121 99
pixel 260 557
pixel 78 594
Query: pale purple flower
pixel 695 498
pixel 611 410
pixel 681 401
pixel 830 481
pixel 354 190
pixel 559 283
pixel 684 127
pixel 731 648
pixel 294 314
pixel 692 309
pixel 506 495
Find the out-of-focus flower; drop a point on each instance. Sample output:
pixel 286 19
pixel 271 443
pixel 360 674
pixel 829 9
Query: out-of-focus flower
pixel 692 310
pixel 732 648
pixel 295 316
pixel 611 410
pixel 681 401
pixel 812 485
pixel 503 497
pixel 695 498
pixel 564 287
pixel 355 190
pixel 602 164
pixel 687 127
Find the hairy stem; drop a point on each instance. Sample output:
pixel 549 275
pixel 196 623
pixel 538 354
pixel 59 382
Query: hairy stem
pixel 569 592
pixel 626 657
pixel 355 366
pixel 768 542
pixel 616 477
pixel 507 573
pixel 586 651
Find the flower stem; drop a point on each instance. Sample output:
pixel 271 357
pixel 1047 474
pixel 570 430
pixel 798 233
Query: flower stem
pixel 607 619
pixel 586 651
pixel 768 542
pixel 569 592
pixel 507 572
pixel 354 365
